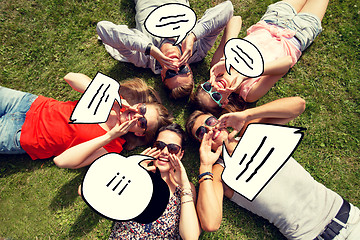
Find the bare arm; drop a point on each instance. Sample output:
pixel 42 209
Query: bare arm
pixel 210 198
pixel 85 153
pixel 279 66
pixel 232 30
pixel 280 111
pixel 78 81
pixel 189 226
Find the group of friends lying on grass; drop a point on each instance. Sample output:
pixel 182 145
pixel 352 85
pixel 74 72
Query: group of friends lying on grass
pixel 299 206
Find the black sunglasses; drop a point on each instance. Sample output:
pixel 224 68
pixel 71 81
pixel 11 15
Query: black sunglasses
pixel 172 148
pixel 216 96
pixel 142 122
pixel 211 122
pixel 171 73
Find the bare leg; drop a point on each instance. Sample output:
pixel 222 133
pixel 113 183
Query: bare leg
pixel 298 5
pixel 316 7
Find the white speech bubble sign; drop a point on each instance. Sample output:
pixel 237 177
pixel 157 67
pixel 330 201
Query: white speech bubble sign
pixel 244 57
pixel 172 20
pixel 96 102
pixel 117 187
pixel 258 156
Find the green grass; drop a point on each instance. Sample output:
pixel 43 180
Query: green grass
pixel 43 40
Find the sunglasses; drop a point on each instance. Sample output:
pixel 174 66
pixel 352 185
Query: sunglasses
pixel 142 122
pixel 216 96
pixel 211 122
pixel 171 73
pixel 172 148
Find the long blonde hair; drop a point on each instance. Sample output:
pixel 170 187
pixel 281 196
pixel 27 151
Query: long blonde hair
pixel 137 91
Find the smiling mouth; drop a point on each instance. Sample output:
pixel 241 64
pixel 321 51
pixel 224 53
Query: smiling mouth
pixel 162 159
pixel 129 116
pixel 221 83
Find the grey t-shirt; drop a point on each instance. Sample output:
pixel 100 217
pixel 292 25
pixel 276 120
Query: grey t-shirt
pixel 294 202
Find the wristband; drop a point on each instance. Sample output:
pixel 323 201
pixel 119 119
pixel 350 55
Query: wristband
pixel 187 201
pixel 204 179
pixel 148 48
pixel 204 174
pixel 186 193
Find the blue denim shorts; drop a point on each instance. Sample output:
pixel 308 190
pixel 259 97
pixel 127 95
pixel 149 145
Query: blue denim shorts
pixel 306 26
pixel 13 108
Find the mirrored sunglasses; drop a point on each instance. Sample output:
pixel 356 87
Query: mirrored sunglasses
pixel 142 122
pixel 171 73
pixel 211 122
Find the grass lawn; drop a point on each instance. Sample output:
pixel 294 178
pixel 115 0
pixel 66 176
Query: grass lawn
pixel 42 40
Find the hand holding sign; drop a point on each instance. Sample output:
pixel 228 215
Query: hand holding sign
pixel 171 20
pixel 244 57
pixel 259 155
pixel 120 189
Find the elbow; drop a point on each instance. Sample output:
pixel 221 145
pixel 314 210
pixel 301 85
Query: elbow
pixel 69 77
pixel 210 227
pixel 58 162
pixel 300 106
pixel 237 19
pixel 101 26
pixel 61 163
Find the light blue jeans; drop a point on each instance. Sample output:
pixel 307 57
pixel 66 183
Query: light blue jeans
pixel 13 108
pixel 306 26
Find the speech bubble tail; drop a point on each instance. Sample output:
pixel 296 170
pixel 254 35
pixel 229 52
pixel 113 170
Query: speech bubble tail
pixel 227 66
pixel 225 153
pixel 72 121
pixel 118 99
pixel 179 40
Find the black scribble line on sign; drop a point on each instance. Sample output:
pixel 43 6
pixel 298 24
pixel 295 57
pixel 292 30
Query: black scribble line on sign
pixel 118 183
pixel 243 58
pixel 252 61
pixel 252 158
pixel 112 180
pixel 101 99
pixel 165 24
pixel 176 27
pixel 97 92
pixel 107 97
pixel 260 165
pixel 242 160
pixel 124 187
pixel 176 16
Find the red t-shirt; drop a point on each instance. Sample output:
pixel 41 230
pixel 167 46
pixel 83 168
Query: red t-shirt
pixel 47 132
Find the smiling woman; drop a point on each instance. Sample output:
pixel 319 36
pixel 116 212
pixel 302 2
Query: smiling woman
pixel 179 220
pixel 321 214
